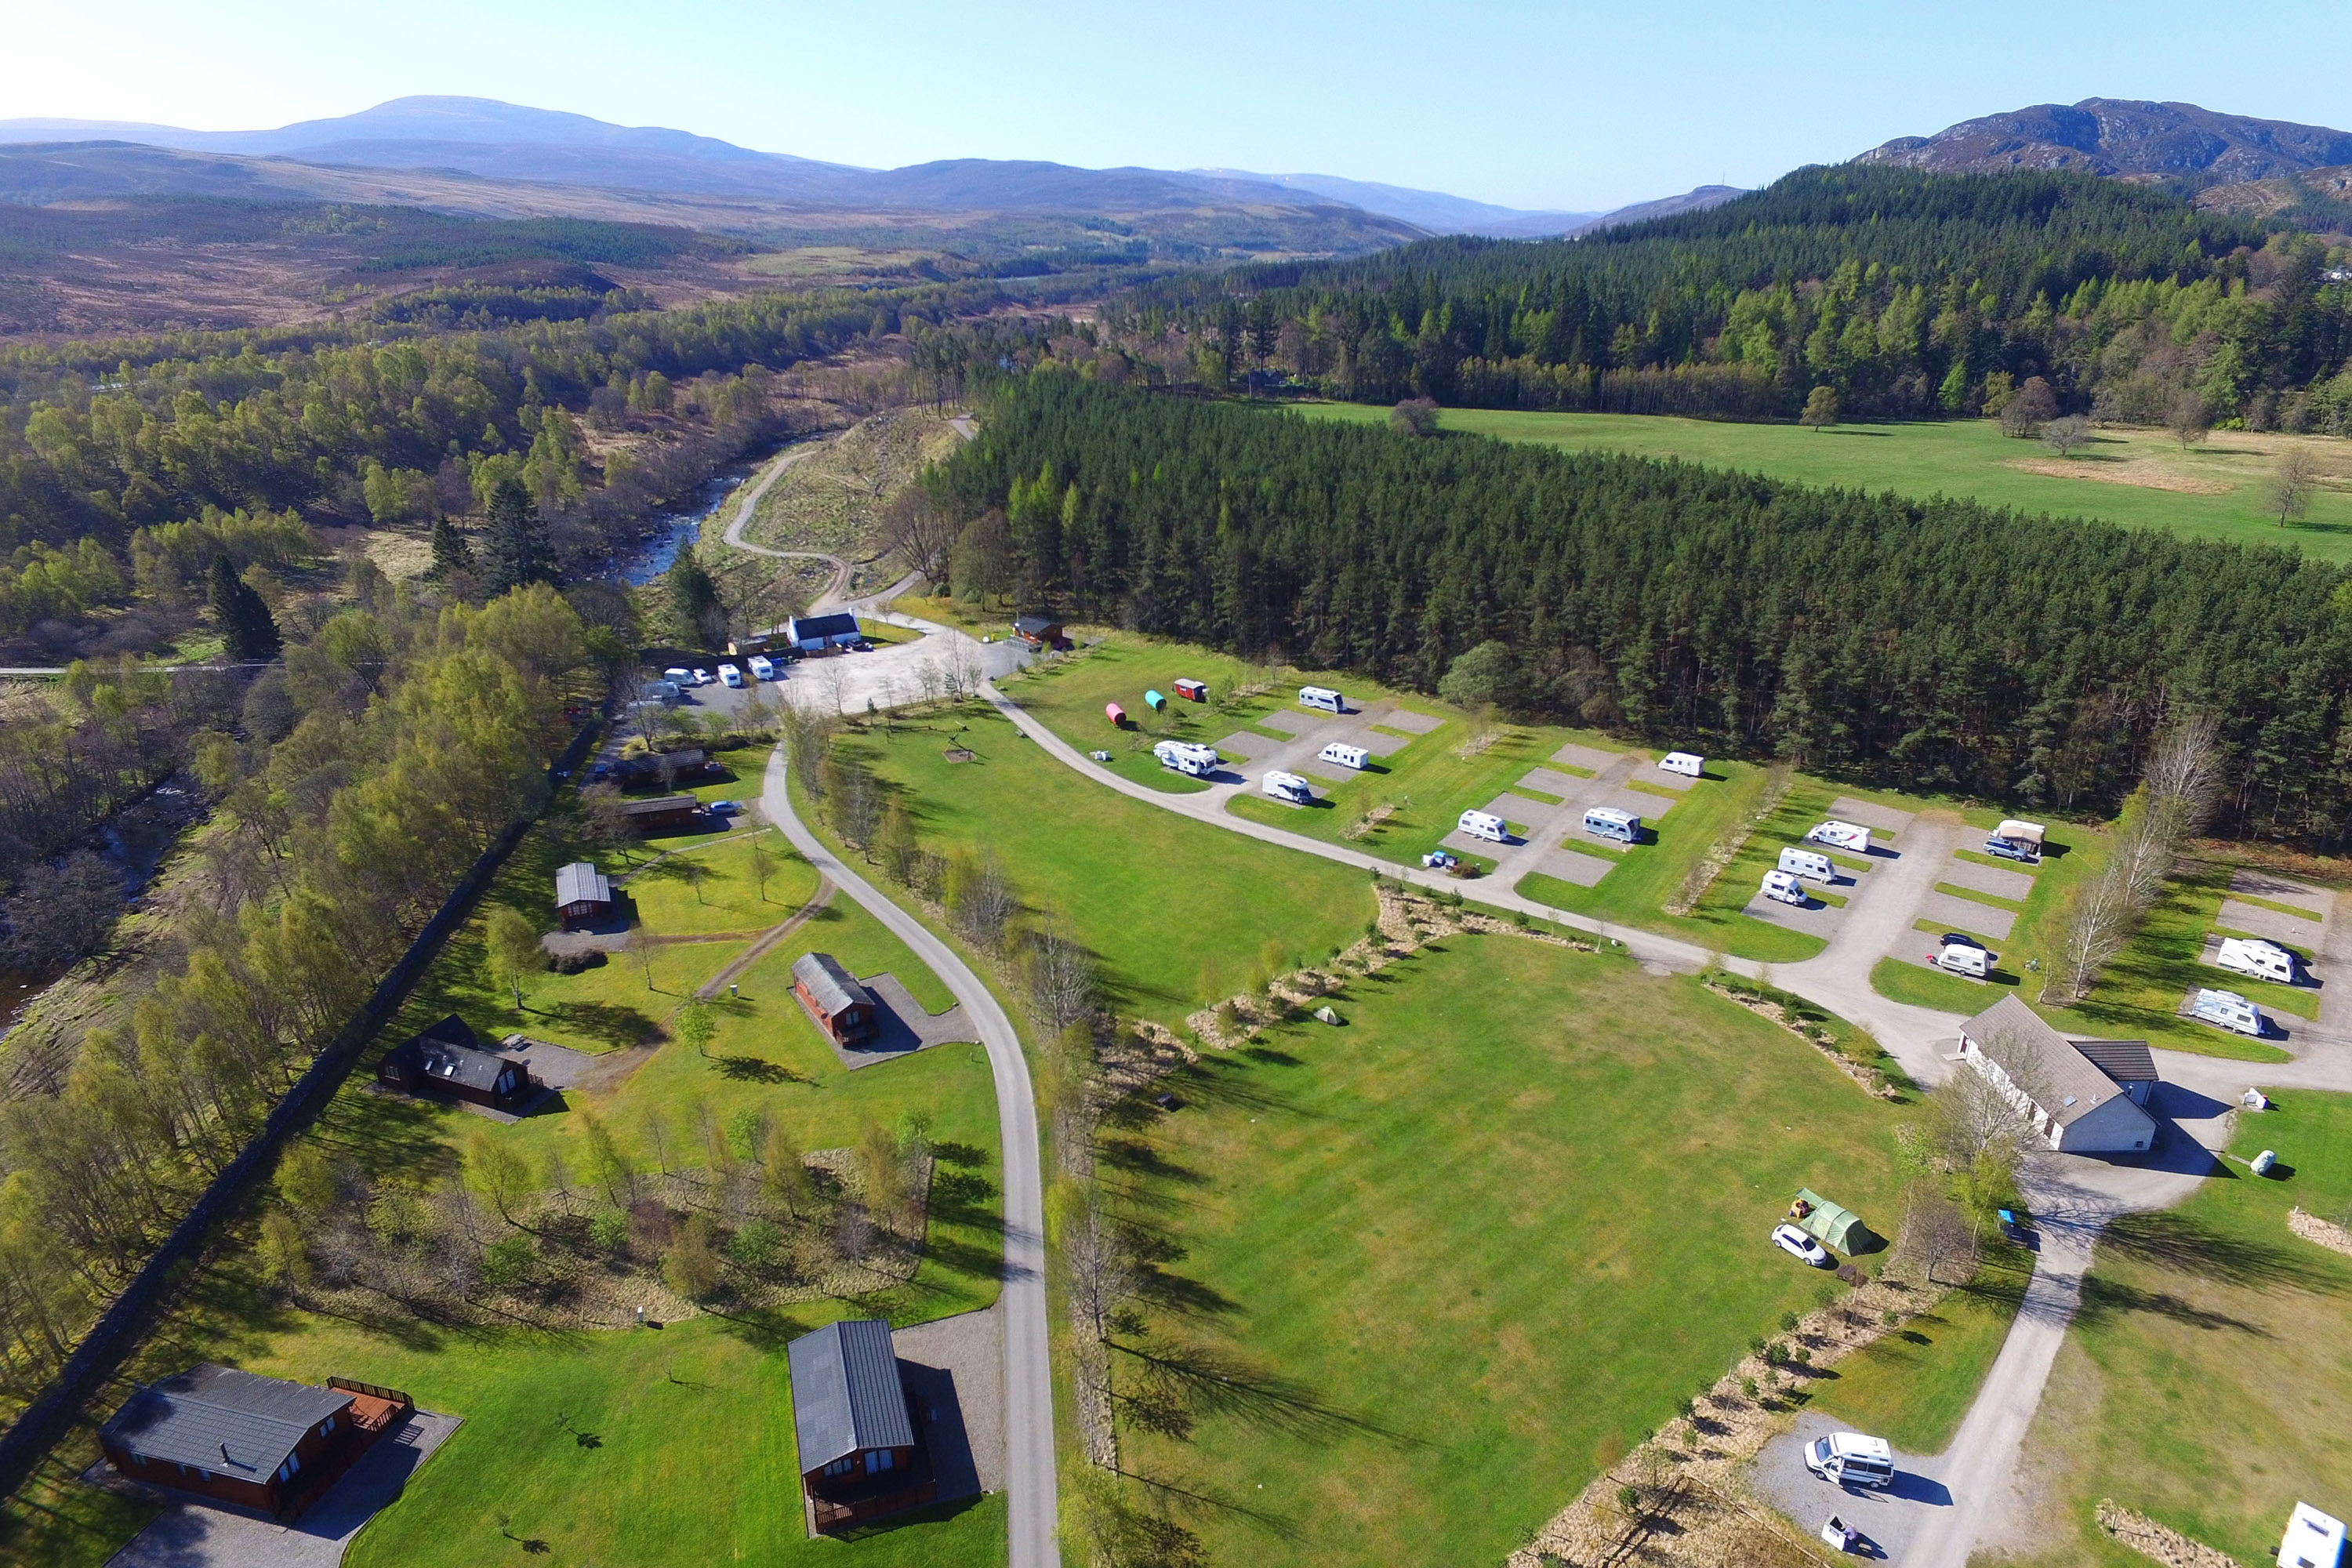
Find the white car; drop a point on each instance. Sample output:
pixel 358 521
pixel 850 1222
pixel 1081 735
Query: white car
pixel 1797 1244
pixel 731 676
pixel 701 675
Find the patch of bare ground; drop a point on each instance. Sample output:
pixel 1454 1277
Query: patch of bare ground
pixel 1680 1498
pixel 1814 1034
pixel 2141 473
pixel 2320 1231
pixel 2151 1540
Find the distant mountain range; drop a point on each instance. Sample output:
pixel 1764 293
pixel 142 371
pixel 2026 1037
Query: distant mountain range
pixel 492 140
pixel 2124 139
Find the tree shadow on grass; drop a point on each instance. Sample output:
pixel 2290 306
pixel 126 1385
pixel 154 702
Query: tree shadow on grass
pixel 2188 1245
pixel 612 1024
pixel 1213 1382
pixel 1134 1157
pixel 2105 1299
pixel 1227 1081
pixel 756 1069
pixel 949 1152
pixel 762 1328
pixel 1281 1526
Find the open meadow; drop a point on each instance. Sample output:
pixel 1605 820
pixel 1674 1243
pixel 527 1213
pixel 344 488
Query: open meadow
pixel 1460 1254
pixel 2140 477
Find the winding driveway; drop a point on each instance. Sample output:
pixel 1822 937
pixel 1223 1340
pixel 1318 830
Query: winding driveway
pixel 1030 1483
pixel 750 503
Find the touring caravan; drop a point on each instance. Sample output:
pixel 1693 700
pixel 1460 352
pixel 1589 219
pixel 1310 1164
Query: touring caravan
pixel 1841 835
pixel 1340 754
pixel 1782 888
pixel 2015 841
pixel 1805 863
pixel 1187 757
pixel 762 666
pixel 2227 1010
pixel 1289 787
pixel 1607 822
pixel 1484 825
pixel 2256 960
pixel 1690 764
pixel 1321 696
pixel 1965 958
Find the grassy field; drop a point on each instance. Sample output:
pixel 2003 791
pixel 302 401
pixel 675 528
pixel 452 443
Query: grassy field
pixel 1068 694
pixel 1540 1184
pixel 1912 1387
pixel 1177 911
pixel 2215 494
pixel 2207 1381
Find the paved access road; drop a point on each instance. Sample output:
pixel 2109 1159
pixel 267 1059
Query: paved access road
pixel 1030 1483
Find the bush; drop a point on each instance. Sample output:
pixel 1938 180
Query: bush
pixel 608 1229
pixel 506 1263
pixel 692 1267
pixel 756 1246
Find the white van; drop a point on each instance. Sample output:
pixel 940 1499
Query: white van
pixel 1187 757
pixel 1965 958
pixel 1321 696
pixel 1841 835
pixel 1341 754
pixel 1484 825
pixel 1607 822
pixel 2227 1010
pixel 1805 863
pixel 1782 888
pixel 1850 1460
pixel 1690 764
pixel 1289 787
pixel 2256 960
pixel 762 667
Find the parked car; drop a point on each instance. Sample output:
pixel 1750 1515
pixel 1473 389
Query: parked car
pixel 725 808
pixel 1797 1245
pixel 679 674
pixel 1958 939
pixel 2010 849
pixel 701 675
pixel 861 646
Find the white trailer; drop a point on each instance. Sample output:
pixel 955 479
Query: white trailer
pixel 1690 764
pixel 1806 864
pixel 2227 1010
pixel 1322 697
pixel 1340 754
pixel 1607 822
pixel 1965 958
pixel 1187 757
pixel 1782 888
pixel 1484 825
pixel 1841 835
pixel 1288 787
pixel 2256 960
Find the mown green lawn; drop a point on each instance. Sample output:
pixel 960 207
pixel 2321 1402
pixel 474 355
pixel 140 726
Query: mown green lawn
pixel 1067 695
pixel 1956 457
pixel 1177 911
pixel 1913 1386
pixel 717 886
pixel 2208 1380
pixel 1465 1250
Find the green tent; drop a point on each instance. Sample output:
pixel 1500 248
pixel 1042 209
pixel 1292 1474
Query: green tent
pixel 1833 1227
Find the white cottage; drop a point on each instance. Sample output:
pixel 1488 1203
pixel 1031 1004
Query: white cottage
pixel 2085 1097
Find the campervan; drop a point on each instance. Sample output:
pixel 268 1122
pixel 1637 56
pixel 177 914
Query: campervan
pixel 1484 825
pixel 1187 757
pixel 1607 822
pixel 1782 888
pixel 762 667
pixel 1852 1459
pixel 2256 960
pixel 1841 835
pixel 1690 764
pixel 1340 754
pixel 1321 696
pixel 663 691
pixel 1965 958
pixel 1289 787
pixel 1805 863
pixel 2227 1010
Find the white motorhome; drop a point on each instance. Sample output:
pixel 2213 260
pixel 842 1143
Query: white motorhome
pixel 1340 754
pixel 1852 1459
pixel 2256 960
pixel 1805 863
pixel 1322 697
pixel 1841 835
pixel 1187 757
pixel 1783 888
pixel 1690 764
pixel 1965 958
pixel 1289 787
pixel 2227 1010
pixel 1607 822
pixel 2314 1540
pixel 1484 825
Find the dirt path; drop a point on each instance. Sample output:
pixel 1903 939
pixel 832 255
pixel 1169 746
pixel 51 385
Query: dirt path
pixel 750 503
pixel 767 942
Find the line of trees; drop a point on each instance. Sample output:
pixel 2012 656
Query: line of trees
pixel 1934 645
pixel 1908 294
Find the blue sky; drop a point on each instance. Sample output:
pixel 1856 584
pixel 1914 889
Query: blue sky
pixel 1571 106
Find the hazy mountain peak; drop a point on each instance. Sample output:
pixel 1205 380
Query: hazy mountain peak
pixel 2122 137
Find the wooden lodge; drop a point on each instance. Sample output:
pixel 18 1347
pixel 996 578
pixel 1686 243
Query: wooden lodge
pixel 261 1443
pixel 842 1007
pixel 1039 632
pixel 448 1060
pixel 662 813
pixel 584 895
pixel 854 1422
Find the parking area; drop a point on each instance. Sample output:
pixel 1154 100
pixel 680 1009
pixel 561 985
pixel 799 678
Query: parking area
pixel 1890 1519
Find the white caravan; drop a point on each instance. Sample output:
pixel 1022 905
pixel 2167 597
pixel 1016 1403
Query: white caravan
pixel 1965 958
pixel 1322 697
pixel 1187 757
pixel 1782 888
pixel 1289 787
pixel 1690 764
pixel 762 667
pixel 1841 835
pixel 1607 822
pixel 1484 825
pixel 2227 1010
pixel 1340 754
pixel 2256 960
pixel 1805 863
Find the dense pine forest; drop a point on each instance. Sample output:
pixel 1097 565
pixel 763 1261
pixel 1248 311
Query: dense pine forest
pixel 1937 645
pixel 1911 295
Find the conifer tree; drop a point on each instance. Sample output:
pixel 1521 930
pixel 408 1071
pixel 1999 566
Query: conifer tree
pixel 517 547
pixel 246 626
pixel 453 554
